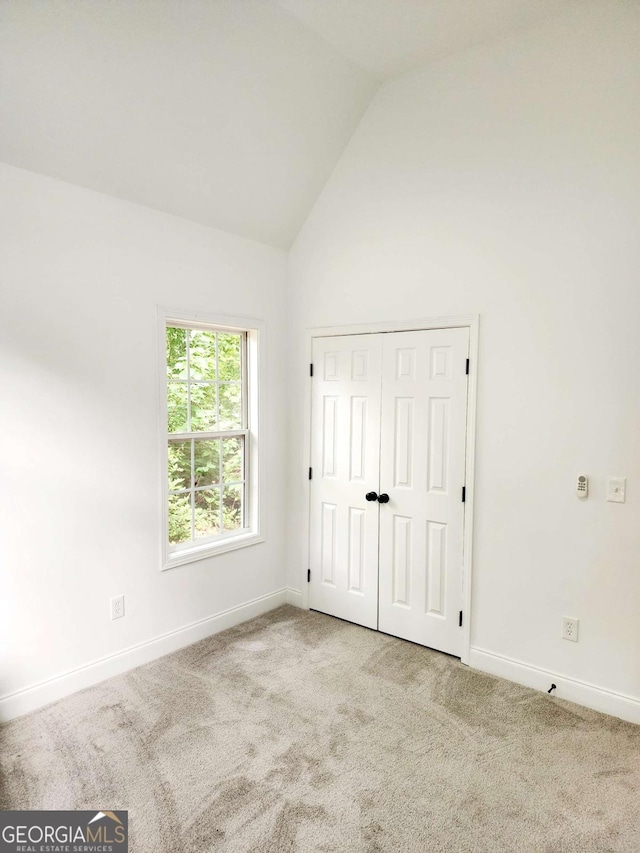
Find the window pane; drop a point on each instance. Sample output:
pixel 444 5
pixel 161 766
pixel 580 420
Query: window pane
pixel 179 465
pixel 179 518
pixel 207 512
pixel 177 406
pixel 229 356
pixel 206 456
pixel 232 459
pixel 202 355
pixel 176 353
pixel 230 407
pixel 203 408
pixel 232 507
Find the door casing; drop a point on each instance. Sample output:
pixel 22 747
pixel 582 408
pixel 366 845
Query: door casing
pixel 472 322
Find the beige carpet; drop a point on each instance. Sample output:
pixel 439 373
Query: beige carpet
pixel 300 732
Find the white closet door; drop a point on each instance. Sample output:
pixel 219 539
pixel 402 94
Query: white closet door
pixel 345 447
pixel 422 459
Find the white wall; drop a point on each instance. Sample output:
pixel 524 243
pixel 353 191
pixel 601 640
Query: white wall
pixel 506 182
pixel 82 275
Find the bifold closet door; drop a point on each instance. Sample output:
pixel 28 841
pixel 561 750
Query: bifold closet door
pixel 345 456
pixel 422 469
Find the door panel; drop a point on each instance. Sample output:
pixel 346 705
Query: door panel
pixel 345 446
pixel 422 458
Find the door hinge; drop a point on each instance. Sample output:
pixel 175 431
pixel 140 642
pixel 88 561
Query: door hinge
pixel 467 368
pixel 311 370
pixel 308 575
pixel 460 620
pixel 464 494
pixel 310 472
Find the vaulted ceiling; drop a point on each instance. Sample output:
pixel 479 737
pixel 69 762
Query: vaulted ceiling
pixel 231 113
pixel 389 37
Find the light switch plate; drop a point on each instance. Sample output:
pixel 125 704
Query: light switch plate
pixel 616 488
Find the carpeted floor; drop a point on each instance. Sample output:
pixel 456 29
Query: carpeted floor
pixel 298 732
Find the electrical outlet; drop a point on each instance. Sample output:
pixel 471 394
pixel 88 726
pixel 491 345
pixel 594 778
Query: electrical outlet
pixel 570 628
pixel 117 607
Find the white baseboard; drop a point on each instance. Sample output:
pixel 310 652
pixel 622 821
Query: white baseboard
pixel 581 692
pixel 294 596
pixel 44 692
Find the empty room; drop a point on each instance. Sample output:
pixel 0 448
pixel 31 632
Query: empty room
pixel 320 466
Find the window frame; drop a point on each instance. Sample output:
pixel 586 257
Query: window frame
pixel 253 380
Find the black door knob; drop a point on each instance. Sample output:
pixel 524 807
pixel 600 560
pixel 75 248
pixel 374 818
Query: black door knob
pixel 383 498
pixel 371 496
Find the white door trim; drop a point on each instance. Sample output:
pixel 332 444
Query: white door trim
pixel 472 322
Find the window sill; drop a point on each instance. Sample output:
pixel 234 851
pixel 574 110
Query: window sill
pixel 211 549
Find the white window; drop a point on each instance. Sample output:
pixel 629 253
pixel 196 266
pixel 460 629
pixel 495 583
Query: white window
pixel 210 404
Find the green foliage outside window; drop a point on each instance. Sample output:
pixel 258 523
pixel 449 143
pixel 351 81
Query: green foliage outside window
pixel 204 393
